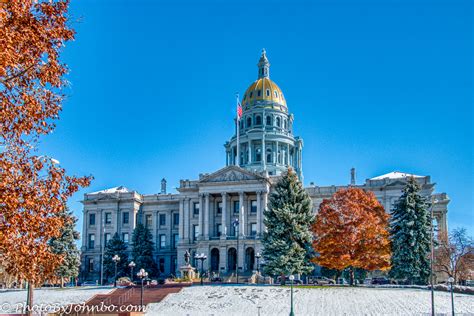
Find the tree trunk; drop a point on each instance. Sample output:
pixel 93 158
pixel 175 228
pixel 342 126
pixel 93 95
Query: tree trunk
pixel 351 273
pixel 29 306
pixel 62 282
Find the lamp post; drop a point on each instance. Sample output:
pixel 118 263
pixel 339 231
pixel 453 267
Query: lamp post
pixel 142 274
pixel 451 283
pixel 235 223
pixel 131 265
pixel 432 259
pixel 115 259
pixel 258 256
pixel 201 257
pixel 292 278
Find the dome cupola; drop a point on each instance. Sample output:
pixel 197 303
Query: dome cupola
pixel 264 92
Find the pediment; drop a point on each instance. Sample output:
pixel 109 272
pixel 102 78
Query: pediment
pixel 231 174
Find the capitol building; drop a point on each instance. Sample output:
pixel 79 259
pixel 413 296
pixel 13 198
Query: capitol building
pixel 202 216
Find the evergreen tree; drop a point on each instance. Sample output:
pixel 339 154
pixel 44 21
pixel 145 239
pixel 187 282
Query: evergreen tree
pixel 142 251
pixel 65 245
pixel 287 240
pixel 410 235
pixel 115 246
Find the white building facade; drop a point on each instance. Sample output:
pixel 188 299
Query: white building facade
pixel 221 214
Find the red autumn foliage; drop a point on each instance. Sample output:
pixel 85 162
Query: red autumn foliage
pixel 33 189
pixel 351 230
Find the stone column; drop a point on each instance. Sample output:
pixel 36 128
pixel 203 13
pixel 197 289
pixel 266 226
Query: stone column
pixel 265 202
pixel 224 216
pixel 250 151
pixel 242 214
pixel 259 216
pixel 85 225
pixel 288 154
pixel 186 220
pixel 206 217
pixel 223 259
pixel 200 219
pixel 275 156
pixel 181 221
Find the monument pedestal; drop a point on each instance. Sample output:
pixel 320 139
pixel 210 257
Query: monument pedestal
pixel 187 272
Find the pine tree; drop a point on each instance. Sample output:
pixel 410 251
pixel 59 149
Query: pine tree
pixel 65 245
pixel 142 251
pixel 410 235
pixel 287 240
pixel 115 246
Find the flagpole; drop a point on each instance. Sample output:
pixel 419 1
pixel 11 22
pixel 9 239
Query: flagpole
pixel 238 132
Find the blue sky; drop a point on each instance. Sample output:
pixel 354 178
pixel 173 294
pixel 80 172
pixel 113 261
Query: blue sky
pixel 375 85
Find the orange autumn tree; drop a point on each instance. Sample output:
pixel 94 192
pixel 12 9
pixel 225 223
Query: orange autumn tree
pixel 351 231
pixel 33 188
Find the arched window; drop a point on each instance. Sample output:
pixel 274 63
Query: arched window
pixel 249 121
pixel 284 124
pixel 258 120
pixel 241 123
pixel 276 94
pixel 269 120
pixel 269 155
pixel 259 92
pixel 279 156
pixel 251 95
pixel 258 154
pixel 278 122
pixel 268 92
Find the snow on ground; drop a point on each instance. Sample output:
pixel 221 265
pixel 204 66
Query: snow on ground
pixel 9 299
pixel 275 300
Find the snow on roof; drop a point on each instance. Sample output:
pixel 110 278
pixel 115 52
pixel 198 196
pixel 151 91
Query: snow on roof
pixel 396 175
pixel 120 189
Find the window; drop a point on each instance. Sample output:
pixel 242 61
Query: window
pixel 108 218
pixel 241 124
pixel 175 219
pixel 249 121
pixel 251 95
pixel 253 206
pixel 218 230
pixel 175 241
pixel 258 154
pixel 258 120
pixel 92 219
pixel 125 218
pixel 236 206
pixel 253 229
pixel 269 155
pixel 162 219
pixel 91 241
pixel 174 264
pixel 259 92
pixel 276 94
pixel 284 124
pixel 245 97
pixel 195 231
pixel 148 220
pixel 107 238
pixel 162 241
pixel 125 238
pixel 161 265
pixel 90 265
pixel 219 207
pixel 268 92
pixel 278 122
pixel 196 208
pixel 269 120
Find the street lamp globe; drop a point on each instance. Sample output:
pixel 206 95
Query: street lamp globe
pixel 292 277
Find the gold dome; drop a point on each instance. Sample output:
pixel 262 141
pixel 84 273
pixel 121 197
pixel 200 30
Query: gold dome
pixel 266 92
